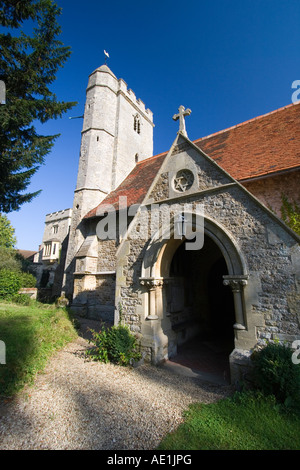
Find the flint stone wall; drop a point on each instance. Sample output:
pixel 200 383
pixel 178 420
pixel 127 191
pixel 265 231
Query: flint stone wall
pixel 94 289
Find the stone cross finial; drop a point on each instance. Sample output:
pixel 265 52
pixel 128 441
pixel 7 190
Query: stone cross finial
pixel 182 113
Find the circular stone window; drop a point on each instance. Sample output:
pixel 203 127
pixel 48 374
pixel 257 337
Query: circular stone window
pixel 183 180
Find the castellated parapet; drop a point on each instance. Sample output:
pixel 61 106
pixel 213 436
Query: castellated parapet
pixel 103 76
pixel 137 102
pixel 58 215
pixel 57 225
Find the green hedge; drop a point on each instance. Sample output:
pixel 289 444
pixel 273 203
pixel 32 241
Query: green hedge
pixel 10 283
pixel 27 280
pixel 275 373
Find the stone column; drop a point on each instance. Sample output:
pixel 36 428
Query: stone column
pixel 237 283
pixel 152 284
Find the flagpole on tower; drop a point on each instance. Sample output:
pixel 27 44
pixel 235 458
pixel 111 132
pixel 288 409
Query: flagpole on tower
pixel 106 56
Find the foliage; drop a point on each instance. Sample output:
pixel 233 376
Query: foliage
pixel 12 264
pixel 28 66
pixel 245 421
pixel 7 233
pixel 275 374
pixel 10 283
pixel 114 344
pixel 14 12
pixel 24 263
pixel 21 299
pixel 31 335
pixel 27 280
pixel 9 260
pixel 290 212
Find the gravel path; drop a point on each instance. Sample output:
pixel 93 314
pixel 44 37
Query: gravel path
pixel 79 404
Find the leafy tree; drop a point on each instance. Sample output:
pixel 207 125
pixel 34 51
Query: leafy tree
pixel 8 259
pixel 13 267
pixel 7 233
pixel 28 66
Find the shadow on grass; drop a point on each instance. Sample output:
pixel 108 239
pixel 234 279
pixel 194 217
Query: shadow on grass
pixel 31 334
pixel 18 334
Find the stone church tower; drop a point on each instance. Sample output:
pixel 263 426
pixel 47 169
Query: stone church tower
pixel 117 133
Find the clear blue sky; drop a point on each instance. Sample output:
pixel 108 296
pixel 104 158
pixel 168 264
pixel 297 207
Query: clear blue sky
pixel 227 60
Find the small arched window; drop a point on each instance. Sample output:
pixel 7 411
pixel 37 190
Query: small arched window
pixel 137 124
pixel 136 157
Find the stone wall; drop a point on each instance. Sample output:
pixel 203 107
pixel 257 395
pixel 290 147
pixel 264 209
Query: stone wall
pixel 269 252
pixel 94 279
pixel 106 255
pixel 94 296
pixel 269 190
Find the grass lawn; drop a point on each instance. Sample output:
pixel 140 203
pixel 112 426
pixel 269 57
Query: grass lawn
pixel 31 334
pixel 246 421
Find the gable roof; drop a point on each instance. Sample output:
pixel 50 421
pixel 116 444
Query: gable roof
pixel 262 146
pixel 27 254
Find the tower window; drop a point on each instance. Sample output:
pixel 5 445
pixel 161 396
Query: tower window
pixel 136 157
pixel 47 249
pixel 137 124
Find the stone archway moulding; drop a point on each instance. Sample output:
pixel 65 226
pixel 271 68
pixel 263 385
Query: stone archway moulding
pixel 158 247
pixel 159 254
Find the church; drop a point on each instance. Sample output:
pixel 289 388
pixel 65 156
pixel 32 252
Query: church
pixel 188 243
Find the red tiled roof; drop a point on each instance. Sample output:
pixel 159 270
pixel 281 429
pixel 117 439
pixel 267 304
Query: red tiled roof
pixel 135 186
pixel 261 146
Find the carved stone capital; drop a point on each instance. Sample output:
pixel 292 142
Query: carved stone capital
pixel 151 282
pixel 235 282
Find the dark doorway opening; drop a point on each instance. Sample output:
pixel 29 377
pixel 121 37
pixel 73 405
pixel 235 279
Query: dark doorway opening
pixel 45 279
pixel 201 310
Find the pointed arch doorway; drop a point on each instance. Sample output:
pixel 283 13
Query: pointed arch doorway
pixel 201 311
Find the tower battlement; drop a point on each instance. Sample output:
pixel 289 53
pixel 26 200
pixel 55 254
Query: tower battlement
pixel 129 93
pixel 104 77
pixel 117 132
pixel 58 215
